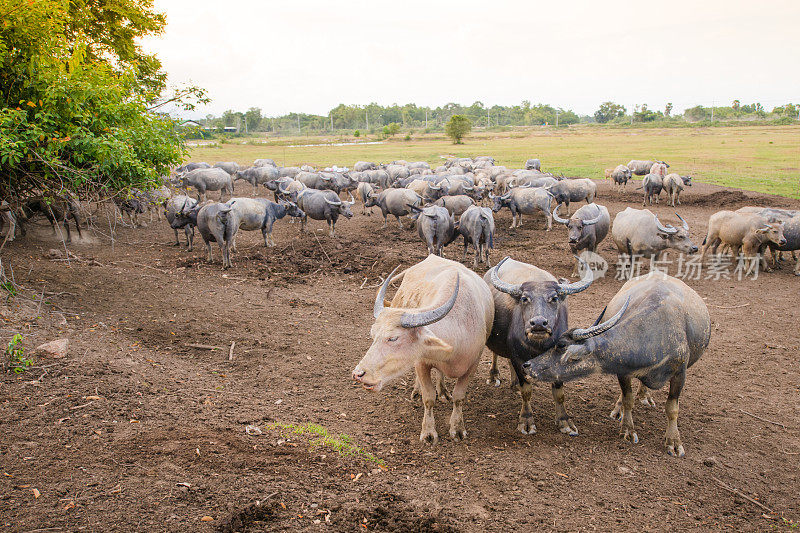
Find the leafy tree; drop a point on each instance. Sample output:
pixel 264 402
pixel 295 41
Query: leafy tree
pixel 393 128
pixel 252 118
pixel 457 127
pixel 79 100
pixel 608 111
pixel 356 133
pixel 668 109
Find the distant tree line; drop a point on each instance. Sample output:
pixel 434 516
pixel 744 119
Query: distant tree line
pixel 375 118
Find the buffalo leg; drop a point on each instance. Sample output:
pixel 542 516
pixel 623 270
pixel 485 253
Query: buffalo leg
pixel 428 433
pixel 190 238
pixel 398 221
pixel 177 240
pixel 441 389
pixel 563 421
pixel 494 372
pixel 645 395
pixel 627 430
pixel 672 439
pixel 210 257
pixel 457 429
pixel 797 268
pixel 525 423
pixel 66 228
pixel 77 224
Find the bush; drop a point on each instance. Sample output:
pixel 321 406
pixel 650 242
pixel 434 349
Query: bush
pixel 407 137
pixel 356 133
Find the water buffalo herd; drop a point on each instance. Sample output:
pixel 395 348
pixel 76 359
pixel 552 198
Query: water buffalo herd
pixel 443 314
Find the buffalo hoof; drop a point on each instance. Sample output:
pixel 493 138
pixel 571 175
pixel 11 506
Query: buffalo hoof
pixel 675 448
pixel 629 435
pixel 526 426
pixel 443 396
pixel 647 400
pixel 496 380
pixel 429 437
pixel 458 434
pixel 616 412
pixel 567 427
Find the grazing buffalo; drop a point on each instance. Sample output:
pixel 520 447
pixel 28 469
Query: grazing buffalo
pixel 418 164
pixel 314 180
pixel 394 202
pixel 658 329
pixel 525 201
pixel 638 233
pixel 364 191
pixel 436 227
pixel 174 209
pixel 745 233
pixel 652 185
pixel 288 188
pixel 256 176
pixel 533 164
pixel 289 172
pixel 791 232
pixel 587 227
pixel 476 225
pixel 455 205
pixel 439 318
pixel 264 163
pixel 621 175
pixel 575 190
pixel 56 209
pixel 228 166
pixel 323 205
pixel 208 179
pixel 673 185
pixel 361 166
pixel 530 315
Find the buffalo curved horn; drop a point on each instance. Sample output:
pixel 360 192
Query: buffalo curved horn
pixel 378 307
pixel 466 188
pixel 502 286
pixel 668 229
pixel 435 187
pixel 580 334
pixel 566 289
pixel 593 221
pixel 685 224
pixel 184 205
pixel 331 202
pixel 417 320
pixel 281 189
pixel 558 218
pixel 328 178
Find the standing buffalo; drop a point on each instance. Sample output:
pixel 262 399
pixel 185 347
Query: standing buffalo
pixel 439 318
pixel 228 166
pixel 621 175
pixel 674 184
pixel 525 201
pixel 323 205
pixel 638 233
pixel 251 214
pixel 256 176
pixel 211 224
pixel 174 208
pixel 533 164
pixel 530 316
pixel 361 166
pixel 314 180
pixel 188 167
pixel 745 233
pixel 394 202
pixel 573 190
pixel 264 163
pixel 652 185
pixel 435 226
pixel 660 327
pixel 364 191
pixel 455 205
pixel 208 179
pixel 289 172
pixel 476 225
pixel 57 209
pixel 587 227
pixel 640 168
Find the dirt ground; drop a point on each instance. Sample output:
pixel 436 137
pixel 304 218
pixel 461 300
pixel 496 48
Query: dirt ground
pixel 136 431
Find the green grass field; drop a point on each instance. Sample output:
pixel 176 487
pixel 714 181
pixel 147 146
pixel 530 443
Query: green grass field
pixel 757 158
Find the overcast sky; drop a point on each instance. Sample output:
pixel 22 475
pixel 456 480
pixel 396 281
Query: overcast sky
pixel 311 55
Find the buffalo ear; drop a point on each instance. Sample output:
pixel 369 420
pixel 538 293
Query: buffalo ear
pixel 436 348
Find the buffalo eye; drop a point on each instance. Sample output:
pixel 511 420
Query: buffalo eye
pixel 552 298
pixel 392 339
pixel 524 299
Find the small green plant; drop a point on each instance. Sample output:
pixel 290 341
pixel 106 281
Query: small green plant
pixel 341 443
pixel 10 289
pixel 407 137
pixel 17 361
pixel 357 133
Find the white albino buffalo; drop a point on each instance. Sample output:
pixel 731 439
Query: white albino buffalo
pixel 439 318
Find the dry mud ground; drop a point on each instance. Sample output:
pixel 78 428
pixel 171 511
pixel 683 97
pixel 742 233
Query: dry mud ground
pixel 134 430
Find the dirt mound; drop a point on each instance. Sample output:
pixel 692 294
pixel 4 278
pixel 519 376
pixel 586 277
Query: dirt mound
pixel 720 199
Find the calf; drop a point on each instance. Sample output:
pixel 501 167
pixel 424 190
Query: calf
pixel 674 184
pixel 745 233
pixel 476 225
pixel 525 201
pixel 394 202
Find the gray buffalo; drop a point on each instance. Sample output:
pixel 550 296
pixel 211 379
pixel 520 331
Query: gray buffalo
pixel 745 233
pixel 315 180
pixel 323 205
pixel 211 225
pixel 394 202
pixel 174 209
pixel 673 185
pixel 188 167
pixel 621 175
pixel 652 185
pixel 228 166
pixel 251 214
pixel 455 205
pixel 208 179
pixel 256 176
pixel 533 164
pixel 530 315
pixel 628 346
pixel 264 163
pixel 361 166
pixel 587 227
pixel 525 201
pixel 476 225
pixel 639 233
pixel 289 172
pixel 640 167
pixel 573 190
pixel 435 226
